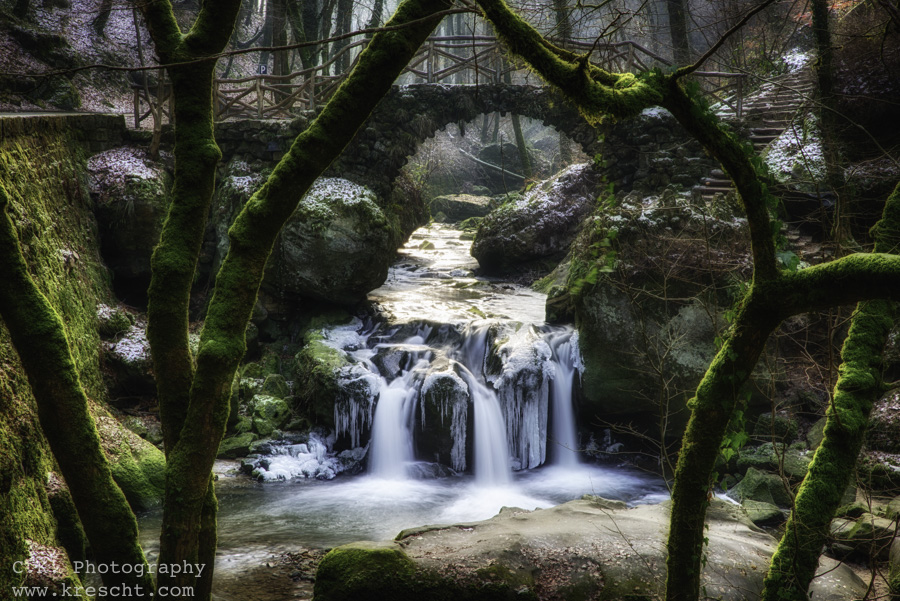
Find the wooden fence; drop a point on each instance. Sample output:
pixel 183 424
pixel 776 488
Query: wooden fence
pixel 447 59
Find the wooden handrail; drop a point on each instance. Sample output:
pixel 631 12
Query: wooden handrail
pixel 436 61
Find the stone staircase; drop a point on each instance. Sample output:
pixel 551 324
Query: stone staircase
pixel 768 112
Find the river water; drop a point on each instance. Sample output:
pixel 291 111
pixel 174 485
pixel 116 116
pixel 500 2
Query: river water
pixel 470 350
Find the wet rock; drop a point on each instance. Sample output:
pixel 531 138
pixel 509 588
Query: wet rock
pixel 585 548
pixel 459 207
pixel 542 224
pixel 440 431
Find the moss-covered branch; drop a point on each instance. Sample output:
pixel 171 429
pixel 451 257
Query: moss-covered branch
pixel 858 387
pixel 596 93
pixel 711 410
pixel 38 334
pixel 252 237
pixel 734 158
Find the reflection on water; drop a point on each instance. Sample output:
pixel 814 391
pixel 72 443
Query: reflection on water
pixel 433 280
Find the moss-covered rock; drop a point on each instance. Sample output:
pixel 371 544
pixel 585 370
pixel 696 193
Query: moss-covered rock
pixel 763 514
pixel 865 537
pixel 275 385
pixel 368 571
pixel 41 167
pixel 777 459
pixel 648 294
pixel 761 486
pixel 268 413
pixel 233 447
pixel 138 467
pixel 337 246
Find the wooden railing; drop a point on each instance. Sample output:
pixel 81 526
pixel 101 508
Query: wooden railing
pixel 448 59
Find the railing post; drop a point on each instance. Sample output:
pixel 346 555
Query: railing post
pixel 629 66
pixel 430 62
pixel 739 104
pixel 259 97
pixel 312 90
pixel 217 107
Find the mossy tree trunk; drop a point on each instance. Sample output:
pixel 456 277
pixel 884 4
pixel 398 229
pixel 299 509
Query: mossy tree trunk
pixel 858 387
pixel 38 334
pixel 194 402
pixel 772 296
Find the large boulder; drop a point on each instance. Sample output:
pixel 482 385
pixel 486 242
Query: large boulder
pixel 648 280
pixel 459 207
pixel 336 247
pixel 586 549
pixel 539 225
pixel 130 192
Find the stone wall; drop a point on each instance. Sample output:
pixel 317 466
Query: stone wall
pixel 648 153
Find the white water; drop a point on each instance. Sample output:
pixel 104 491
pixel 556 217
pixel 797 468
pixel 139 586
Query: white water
pixel 505 375
pixel 565 438
pixel 390 449
pixel 491 457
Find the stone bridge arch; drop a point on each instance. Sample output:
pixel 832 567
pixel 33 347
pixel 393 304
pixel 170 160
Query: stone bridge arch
pixel 410 114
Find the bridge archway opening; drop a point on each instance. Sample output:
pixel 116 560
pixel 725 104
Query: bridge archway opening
pixel 481 156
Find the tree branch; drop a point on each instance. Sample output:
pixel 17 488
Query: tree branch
pixel 681 72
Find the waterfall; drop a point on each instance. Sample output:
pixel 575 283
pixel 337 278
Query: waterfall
pixel 390 449
pixel 490 450
pixel 565 439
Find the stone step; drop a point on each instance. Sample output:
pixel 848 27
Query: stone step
pixel 717 182
pixel 766 131
pixel 763 139
pixel 712 190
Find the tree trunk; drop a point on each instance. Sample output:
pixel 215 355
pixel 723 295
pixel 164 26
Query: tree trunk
pixel 40 340
pixel 100 21
pixel 858 387
pixel 298 15
pixel 194 406
pixel 344 19
pixel 678 29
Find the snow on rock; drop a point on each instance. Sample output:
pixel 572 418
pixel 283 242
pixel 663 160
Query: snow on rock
pixel 312 459
pixel 541 223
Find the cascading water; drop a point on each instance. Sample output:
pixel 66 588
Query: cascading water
pixel 567 361
pixel 491 456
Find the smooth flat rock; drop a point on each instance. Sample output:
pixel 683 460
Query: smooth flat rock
pixel 584 549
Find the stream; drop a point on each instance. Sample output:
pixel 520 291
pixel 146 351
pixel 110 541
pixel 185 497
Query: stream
pixel 465 399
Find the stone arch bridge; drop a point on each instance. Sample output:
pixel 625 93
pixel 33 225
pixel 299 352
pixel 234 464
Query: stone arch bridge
pixel 406 117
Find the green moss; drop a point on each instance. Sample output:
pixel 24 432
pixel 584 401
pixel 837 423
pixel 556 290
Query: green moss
pixel 236 446
pixel 138 468
pixel 366 571
pixel 315 379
